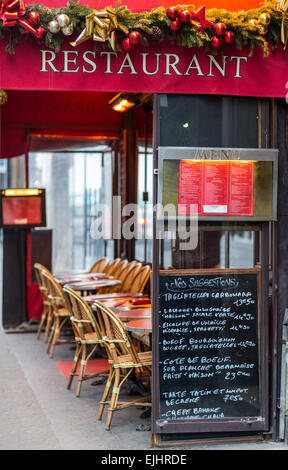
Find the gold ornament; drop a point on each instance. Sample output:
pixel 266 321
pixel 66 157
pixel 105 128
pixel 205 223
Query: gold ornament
pixel 101 26
pixel 3 97
pixel 265 19
pixel 254 25
pixel 283 7
pixel 263 30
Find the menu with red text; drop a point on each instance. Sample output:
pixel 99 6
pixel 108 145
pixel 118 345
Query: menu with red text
pixel 241 188
pixel 191 187
pixel 216 187
pixel 215 183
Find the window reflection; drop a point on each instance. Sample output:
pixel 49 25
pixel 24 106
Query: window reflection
pixel 74 183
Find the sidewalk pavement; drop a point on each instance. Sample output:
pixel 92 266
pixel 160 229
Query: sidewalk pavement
pixel 37 412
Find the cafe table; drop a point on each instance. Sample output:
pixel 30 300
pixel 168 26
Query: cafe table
pixel 134 314
pixel 130 304
pixel 143 325
pixel 88 277
pixel 71 272
pixel 110 296
pixel 92 286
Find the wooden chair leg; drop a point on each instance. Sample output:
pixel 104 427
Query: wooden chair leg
pixel 55 336
pixel 114 399
pixel 51 335
pixel 82 370
pixel 41 324
pixel 75 364
pixel 48 327
pixel 106 394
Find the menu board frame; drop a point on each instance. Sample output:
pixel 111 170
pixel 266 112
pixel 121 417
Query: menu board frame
pixel 217 425
pixel 223 154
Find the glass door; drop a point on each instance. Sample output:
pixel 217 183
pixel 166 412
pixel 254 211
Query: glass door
pixel 204 283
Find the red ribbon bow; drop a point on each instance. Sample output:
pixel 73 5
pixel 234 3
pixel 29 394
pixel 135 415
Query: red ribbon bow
pixel 200 17
pixel 11 12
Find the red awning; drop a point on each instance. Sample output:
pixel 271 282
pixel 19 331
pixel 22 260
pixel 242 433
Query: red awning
pixel 67 94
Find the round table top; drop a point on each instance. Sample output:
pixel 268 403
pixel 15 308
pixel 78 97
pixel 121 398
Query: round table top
pixel 109 296
pixel 129 305
pixel 93 285
pixel 141 326
pixel 71 272
pixel 73 278
pixel 136 314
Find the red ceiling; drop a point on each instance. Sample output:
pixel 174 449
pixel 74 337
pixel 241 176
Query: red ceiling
pixel 75 116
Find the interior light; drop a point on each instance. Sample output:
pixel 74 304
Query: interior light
pixel 185 125
pixel 143 221
pixel 123 105
pixel 123 101
pixel 21 192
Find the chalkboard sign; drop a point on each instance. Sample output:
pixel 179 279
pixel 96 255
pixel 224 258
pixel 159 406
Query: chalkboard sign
pixel 208 356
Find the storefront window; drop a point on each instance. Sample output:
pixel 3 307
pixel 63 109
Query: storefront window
pixel 143 244
pixel 213 164
pixel 211 122
pixel 75 182
pixel 208 121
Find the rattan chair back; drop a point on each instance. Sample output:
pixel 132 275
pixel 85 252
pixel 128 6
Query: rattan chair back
pixel 112 268
pixel 130 276
pixel 47 307
pixel 82 318
pixel 54 290
pixel 118 275
pixel 116 337
pixel 139 283
pixel 38 268
pixel 122 273
pixel 120 267
pixel 100 265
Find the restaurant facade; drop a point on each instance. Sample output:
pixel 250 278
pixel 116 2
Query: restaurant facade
pixel 201 151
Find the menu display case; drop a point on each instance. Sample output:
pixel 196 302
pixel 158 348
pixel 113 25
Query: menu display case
pixel 217 184
pixel 22 208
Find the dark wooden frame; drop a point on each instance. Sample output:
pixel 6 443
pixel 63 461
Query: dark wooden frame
pixel 223 424
pixel 262 234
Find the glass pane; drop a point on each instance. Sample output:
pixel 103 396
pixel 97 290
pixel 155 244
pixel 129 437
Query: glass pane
pixel 212 122
pixel 74 186
pixel 208 121
pixel 241 250
pixel 143 244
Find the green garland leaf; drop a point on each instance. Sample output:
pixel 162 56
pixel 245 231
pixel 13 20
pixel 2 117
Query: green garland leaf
pixel 189 34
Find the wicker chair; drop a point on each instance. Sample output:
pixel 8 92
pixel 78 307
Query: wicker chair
pixel 120 275
pixel 87 333
pixel 100 265
pixel 139 283
pixel 120 268
pixel 137 287
pixel 60 314
pixel 124 358
pixel 112 268
pixel 46 304
pixel 129 277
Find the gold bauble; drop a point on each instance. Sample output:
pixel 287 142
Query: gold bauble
pixel 254 25
pixel 262 30
pixel 254 22
pixel 3 97
pixel 265 19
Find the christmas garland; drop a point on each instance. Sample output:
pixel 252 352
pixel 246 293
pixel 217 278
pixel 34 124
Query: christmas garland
pixel 118 28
